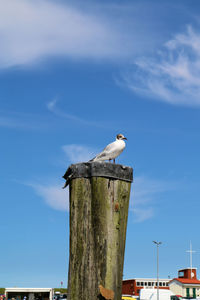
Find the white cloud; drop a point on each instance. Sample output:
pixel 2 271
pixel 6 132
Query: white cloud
pixel 54 196
pixel 143 200
pixel 31 30
pixel 144 195
pixel 173 75
pixel 78 153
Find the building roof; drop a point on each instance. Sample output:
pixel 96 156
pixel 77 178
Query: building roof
pixel 17 289
pixel 147 279
pixel 189 268
pixel 186 281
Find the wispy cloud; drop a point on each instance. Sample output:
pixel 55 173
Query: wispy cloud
pixel 173 75
pixel 144 196
pixel 53 195
pixel 53 107
pixel 29 121
pixel 78 153
pixel 10 123
pixel 143 214
pixel 19 120
pixel 34 29
pixel 97 31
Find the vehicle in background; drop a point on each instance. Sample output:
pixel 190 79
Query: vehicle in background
pixel 151 294
pixel 128 297
pixel 59 296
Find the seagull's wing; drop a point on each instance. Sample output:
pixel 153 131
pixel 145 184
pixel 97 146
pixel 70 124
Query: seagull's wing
pixel 105 152
pixel 100 155
pixel 109 147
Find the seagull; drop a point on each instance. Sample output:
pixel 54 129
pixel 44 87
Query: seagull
pixel 112 150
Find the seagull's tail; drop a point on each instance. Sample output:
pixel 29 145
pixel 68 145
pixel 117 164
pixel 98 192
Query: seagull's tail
pixel 99 157
pixel 93 159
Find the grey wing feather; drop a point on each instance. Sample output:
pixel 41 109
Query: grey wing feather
pixel 105 151
pixel 107 148
pixel 100 155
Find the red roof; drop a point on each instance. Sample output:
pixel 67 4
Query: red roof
pixel 187 281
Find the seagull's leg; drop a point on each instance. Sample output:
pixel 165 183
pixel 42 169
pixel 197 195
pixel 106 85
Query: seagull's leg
pixel 110 160
pixel 114 160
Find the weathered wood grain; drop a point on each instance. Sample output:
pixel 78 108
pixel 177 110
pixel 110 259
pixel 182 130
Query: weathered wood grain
pixel 98 220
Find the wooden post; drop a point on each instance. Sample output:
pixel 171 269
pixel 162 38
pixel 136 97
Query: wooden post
pixel 99 201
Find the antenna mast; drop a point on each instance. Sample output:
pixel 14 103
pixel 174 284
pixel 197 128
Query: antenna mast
pixel 190 251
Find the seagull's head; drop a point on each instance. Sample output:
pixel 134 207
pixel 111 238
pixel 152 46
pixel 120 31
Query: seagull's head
pixel 121 137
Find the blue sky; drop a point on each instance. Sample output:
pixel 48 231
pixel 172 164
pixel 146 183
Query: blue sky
pixel 73 76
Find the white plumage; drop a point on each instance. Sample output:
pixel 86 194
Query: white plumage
pixel 112 150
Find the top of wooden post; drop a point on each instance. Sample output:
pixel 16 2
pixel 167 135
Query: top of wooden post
pixel 98 169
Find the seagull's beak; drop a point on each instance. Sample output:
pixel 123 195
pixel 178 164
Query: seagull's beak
pixel 124 138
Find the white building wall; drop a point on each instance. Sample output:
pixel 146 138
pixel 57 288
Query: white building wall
pixel 179 289
pixel 176 288
pixel 191 290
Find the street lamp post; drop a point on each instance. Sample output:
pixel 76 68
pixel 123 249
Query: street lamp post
pixel 157 244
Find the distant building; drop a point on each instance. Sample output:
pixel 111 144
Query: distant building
pixel 187 284
pixel 133 286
